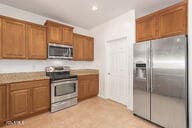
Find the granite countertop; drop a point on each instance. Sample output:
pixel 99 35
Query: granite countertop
pixel 7 78
pixel 85 72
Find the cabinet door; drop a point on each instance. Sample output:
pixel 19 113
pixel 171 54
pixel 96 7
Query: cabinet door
pixel 173 21
pixel 54 34
pixel 37 46
pixel 88 53
pixel 93 86
pixel 83 88
pixel 67 36
pixel 14 42
pixel 19 103
pixel 145 28
pixel 2 103
pixel 78 47
pixel 41 98
pixel 0 38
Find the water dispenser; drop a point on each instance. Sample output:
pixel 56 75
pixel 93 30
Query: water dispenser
pixel 141 71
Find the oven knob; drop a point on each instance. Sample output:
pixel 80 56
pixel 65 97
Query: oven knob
pixel 50 69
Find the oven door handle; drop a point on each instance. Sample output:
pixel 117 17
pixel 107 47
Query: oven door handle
pixel 62 83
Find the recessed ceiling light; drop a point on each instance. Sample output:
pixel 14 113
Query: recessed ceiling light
pixel 94 8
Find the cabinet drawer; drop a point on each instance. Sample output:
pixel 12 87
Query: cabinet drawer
pixel 88 77
pixel 30 84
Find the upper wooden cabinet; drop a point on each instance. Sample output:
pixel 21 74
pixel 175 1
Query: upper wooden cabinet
pixel 54 32
pixel 59 33
pixel 145 27
pixel 88 49
pixel 2 103
pixel 67 36
pixel 14 39
pixel 37 46
pixel 170 21
pixel 173 21
pixel 22 40
pixel 78 45
pixel 83 48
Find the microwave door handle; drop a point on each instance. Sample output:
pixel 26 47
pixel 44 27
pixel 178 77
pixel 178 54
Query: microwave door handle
pixel 69 52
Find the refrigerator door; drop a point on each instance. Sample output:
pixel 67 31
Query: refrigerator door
pixel 141 82
pixel 169 82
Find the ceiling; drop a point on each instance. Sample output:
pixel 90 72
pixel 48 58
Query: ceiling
pixel 79 13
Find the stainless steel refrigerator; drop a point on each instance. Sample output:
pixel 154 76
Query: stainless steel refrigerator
pixel 160 81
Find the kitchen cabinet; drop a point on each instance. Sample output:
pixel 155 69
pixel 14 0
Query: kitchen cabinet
pixel 173 21
pixel 83 48
pixel 145 28
pixel 0 37
pixel 22 40
pixel 88 86
pixel 2 103
pixel 41 100
pixel 167 22
pixel 54 32
pixel 78 47
pixel 88 49
pixel 19 103
pixel 94 88
pixel 14 39
pixel 67 36
pixel 83 89
pixel 27 98
pixel 37 46
pixel 59 33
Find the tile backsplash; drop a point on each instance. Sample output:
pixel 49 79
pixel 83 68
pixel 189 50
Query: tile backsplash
pixel 10 66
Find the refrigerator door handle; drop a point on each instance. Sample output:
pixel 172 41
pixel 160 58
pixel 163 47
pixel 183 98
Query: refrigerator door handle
pixel 151 69
pixel 148 71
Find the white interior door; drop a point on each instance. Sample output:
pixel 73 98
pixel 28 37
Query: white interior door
pixel 118 70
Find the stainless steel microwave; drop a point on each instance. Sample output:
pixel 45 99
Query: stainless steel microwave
pixel 58 51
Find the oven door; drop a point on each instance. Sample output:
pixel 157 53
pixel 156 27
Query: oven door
pixel 56 51
pixel 63 90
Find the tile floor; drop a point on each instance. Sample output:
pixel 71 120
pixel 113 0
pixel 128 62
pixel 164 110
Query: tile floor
pixel 91 113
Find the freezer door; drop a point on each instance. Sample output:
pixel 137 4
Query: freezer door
pixel 169 82
pixel 141 82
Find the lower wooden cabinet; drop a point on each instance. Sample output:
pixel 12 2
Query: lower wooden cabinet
pixel 0 37
pixel 41 98
pixel 19 103
pixel 94 86
pixel 2 103
pixel 88 86
pixel 28 98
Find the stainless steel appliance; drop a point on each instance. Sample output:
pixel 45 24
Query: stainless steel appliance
pixel 57 51
pixel 160 92
pixel 64 87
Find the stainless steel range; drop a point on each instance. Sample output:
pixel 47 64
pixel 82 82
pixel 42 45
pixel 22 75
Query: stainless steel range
pixel 64 87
